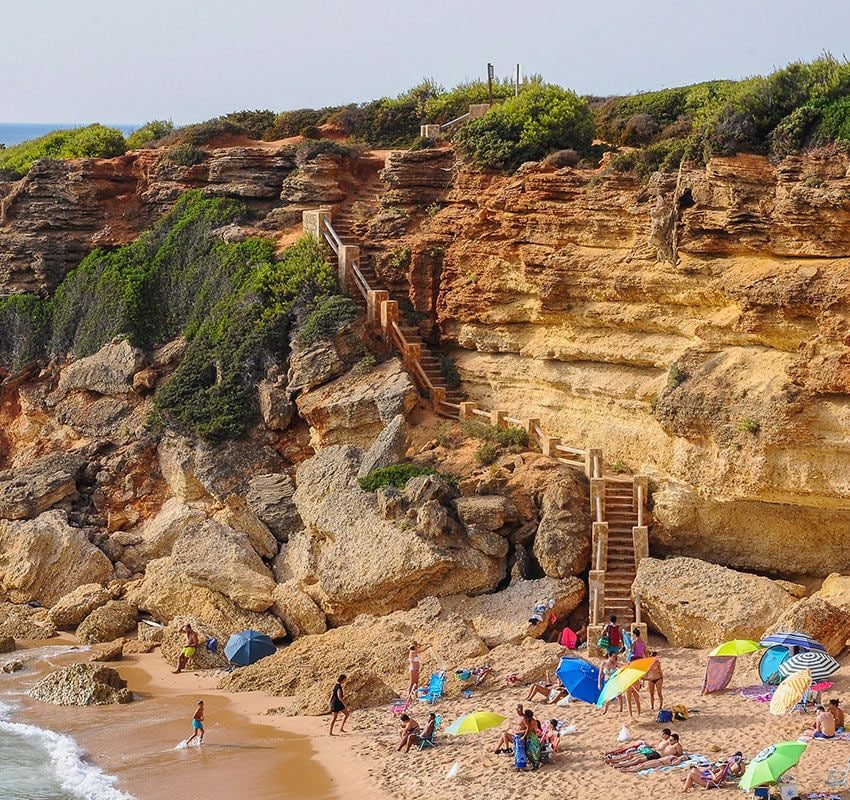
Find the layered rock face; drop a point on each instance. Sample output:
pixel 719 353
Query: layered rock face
pixel 571 294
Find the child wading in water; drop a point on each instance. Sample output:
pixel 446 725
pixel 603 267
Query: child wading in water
pixel 197 724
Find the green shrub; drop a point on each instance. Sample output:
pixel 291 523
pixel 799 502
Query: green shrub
pixel 187 155
pixel 487 453
pixel 423 143
pixel 749 425
pixel 563 158
pixel 400 258
pixel 328 316
pixel 509 436
pixel 448 105
pixel 292 123
pixel 148 135
pixel 539 121
pixel 675 376
pixel 448 366
pixel 396 476
pixel 312 148
pixel 256 123
pixel 619 467
pixel 93 141
pixel 663 156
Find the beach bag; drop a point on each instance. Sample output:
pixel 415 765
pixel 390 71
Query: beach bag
pixel 603 643
pixel 664 715
pixel 212 645
pixel 679 712
pixel 625 734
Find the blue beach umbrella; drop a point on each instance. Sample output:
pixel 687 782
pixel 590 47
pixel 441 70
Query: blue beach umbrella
pixel 791 639
pixel 246 647
pixel 770 661
pixel 580 679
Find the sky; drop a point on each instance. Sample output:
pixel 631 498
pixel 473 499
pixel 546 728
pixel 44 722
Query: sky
pixel 129 62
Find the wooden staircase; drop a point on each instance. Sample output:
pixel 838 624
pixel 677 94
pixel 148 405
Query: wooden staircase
pixel 621 517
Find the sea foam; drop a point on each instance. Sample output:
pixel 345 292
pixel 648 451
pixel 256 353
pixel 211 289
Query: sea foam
pixel 72 773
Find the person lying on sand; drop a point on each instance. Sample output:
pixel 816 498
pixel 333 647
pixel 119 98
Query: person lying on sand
pixel 644 757
pixel 551 690
pixel 507 737
pixel 836 712
pixel 704 776
pixel 624 753
pixel 409 729
pixel 188 652
pixel 197 724
pixel 824 725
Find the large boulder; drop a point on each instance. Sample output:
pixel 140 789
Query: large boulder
pixel 529 662
pixel 109 371
pixel 315 364
pixel 166 593
pixel 836 590
pixel 174 640
pixel 107 623
pixel 334 558
pixel 356 408
pixel 819 618
pixel 45 558
pixel 71 609
pixel 276 408
pixel 503 617
pixel 697 604
pixel 490 512
pixel 82 685
pixel 388 448
pixel 562 542
pixel 27 491
pixel 269 497
pixel 196 470
pixel 25 622
pixel 156 536
pixel 298 611
pixel 372 651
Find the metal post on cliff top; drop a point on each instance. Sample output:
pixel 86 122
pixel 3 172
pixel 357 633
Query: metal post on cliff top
pixel 490 73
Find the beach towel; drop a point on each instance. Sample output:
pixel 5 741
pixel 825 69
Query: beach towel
pixel 568 639
pixel 694 760
pixel 844 736
pixel 718 673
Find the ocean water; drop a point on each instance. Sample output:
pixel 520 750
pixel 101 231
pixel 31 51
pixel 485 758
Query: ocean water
pixel 16 132
pixel 39 764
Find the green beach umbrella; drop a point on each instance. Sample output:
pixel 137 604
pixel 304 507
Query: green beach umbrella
pixel 771 764
pixel 475 722
pixel 737 647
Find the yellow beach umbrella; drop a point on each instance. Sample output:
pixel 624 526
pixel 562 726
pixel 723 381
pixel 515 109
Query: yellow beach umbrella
pixel 475 722
pixel 790 692
pixel 623 678
pixel 736 647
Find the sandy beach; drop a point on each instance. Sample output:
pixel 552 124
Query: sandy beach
pixel 279 755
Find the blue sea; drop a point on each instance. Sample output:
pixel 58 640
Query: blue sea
pixel 16 132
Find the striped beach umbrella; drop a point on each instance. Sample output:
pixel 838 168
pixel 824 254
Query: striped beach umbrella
pixel 792 639
pixel 790 692
pixel 821 665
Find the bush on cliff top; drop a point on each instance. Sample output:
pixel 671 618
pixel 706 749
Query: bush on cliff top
pixel 233 302
pixel 93 141
pixel 540 120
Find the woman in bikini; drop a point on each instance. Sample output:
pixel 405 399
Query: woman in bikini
pixel 655 679
pixel 608 668
pixel 414 656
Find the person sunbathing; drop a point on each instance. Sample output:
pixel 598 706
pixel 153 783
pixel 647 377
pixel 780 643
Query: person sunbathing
pixel 550 737
pixel 629 750
pixel 409 730
pixel 648 758
pixel 551 690
pixel 836 712
pixel 708 776
pixel 417 737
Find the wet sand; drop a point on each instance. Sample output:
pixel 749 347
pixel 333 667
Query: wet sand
pixel 245 754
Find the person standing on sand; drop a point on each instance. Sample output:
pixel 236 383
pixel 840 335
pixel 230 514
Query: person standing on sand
pixel 188 651
pixel 608 668
pixel 655 678
pixel 414 657
pixel 614 635
pixel 637 649
pixel 197 724
pixel 338 705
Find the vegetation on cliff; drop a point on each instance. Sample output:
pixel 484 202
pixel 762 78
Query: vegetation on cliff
pixel 233 301
pixel 93 141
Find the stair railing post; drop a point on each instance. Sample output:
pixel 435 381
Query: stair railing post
pixel 597 499
pixel 530 424
pixel 599 539
pixel 640 489
pixel 497 419
pixel 548 445
pixel 373 307
pixel 467 411
pixel 348 253
pixel 389 314
pixel 314 222
pixel 594 466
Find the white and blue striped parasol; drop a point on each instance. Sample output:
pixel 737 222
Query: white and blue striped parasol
pixel 820 664
pixel 792 639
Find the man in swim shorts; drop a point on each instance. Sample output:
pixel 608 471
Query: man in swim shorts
pixel 197 724
pixel 648 754
pixel 188 651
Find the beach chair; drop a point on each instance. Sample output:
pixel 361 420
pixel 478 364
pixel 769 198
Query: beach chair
pixel 429 741
pixel 836 778
pixel 435 688
pixel 400 705
pixel 721 779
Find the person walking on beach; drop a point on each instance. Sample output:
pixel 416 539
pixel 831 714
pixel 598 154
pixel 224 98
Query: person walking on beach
pixel 338 705
pixel 197 724
pixel 414 657
pixel 188 651
pixel 614 635
pixel 637 649
pixel 655 679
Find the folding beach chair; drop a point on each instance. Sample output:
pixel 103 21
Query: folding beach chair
pixel 836 778
pixel 435 688
pixel 429 741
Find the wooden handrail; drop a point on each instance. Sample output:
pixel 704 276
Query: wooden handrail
pixel 333 233
pixel 454 121
pixel 416 366
pixel 599 517
pixel 571 462
pixel 331 243
pixel 513 421
pixel 574 451
pixel 359 280
pixel 640 505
